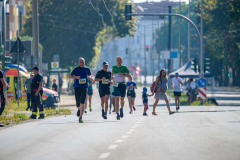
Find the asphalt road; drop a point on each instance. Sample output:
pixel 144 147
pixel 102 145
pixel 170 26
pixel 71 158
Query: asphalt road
pixel 199 133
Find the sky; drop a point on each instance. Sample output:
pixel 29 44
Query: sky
pixel 139 1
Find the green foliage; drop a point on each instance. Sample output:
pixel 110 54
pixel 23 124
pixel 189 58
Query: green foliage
pixel 74 29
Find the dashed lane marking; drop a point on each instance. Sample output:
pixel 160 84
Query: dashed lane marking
pixel 129 133
pixel 104 155
pixel 125 136
pixel 114 146
pixel 119 141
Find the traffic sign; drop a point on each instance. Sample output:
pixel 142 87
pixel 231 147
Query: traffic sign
pixel 174 54
pixel 55 65
pixel 202 82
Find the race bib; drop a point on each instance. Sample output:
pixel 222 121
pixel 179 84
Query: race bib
pixel 115 84
pixel 130 88
pixel 175 87
pixel 82 81
pixel 106 81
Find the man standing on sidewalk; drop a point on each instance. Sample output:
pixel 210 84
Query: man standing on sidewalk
pixel 80 74
pixel 36 94
pixel 3 100
pixel 177 89
pixel 120 72
pixel 104 78
pixel 27 87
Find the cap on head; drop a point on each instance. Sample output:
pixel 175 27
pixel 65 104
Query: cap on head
pixel 105 63
pixel 144 89
pixel 176 74
pixel 35 68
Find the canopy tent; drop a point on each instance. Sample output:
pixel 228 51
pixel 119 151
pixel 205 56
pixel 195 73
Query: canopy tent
pixel 186 72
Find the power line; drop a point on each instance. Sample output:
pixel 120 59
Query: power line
pixel 109 13
pixel 97 10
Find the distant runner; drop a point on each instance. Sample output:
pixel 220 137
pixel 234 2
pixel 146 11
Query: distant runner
pixel 176 85
pixel 120 72
pixel 131 94
pixel 80 74
pixel 89 96
pixel 104 78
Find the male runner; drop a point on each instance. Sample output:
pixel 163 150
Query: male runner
pixel 80 74
pixel 176 85
pixel 120 72
pixel 104 78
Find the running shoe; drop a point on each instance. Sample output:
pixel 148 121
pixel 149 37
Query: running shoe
pixel 145 114
pixel 80 120
pixel 78 113
pixel 178 108
pixel 118 117
pixel 134 108
pixel 102 112
pixel 90 109
pixel 131 112
pixel 85 111
pixel 109 111
pixel 105 116
pixel 121 112
pixel 113 110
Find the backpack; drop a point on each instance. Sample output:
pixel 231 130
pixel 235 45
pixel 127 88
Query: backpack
pixel 152 86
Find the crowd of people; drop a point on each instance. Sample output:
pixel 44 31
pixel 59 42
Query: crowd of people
pixel 113 86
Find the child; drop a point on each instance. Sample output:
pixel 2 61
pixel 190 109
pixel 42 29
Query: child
pixel 145 100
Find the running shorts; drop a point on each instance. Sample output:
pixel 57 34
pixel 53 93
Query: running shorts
pixel 80 95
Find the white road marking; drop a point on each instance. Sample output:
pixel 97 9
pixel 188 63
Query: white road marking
pixel 134 127
pixel 125 136
pixel 131 130
pixel 119 141
pixel 104 155
pixel 129 133
pixel 114 146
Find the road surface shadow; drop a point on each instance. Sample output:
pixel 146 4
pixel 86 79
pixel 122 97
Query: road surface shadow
pixel 233 122
pixel 89 121
pixel 208 111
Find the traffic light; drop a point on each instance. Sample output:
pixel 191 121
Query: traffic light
pixel 206 64
pixel 128 10
pixel 5 61
pixel 195 65
pixel 147 48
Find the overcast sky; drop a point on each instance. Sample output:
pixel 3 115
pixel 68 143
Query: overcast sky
pixel 138 1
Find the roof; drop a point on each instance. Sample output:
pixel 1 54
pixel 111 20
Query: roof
pixel 186 72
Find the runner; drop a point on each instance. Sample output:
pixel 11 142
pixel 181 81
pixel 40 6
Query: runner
pixel 104 78
pixel 161 86
pixel 89 96
pixel 112 100
pixel 131 95
pixel 120 72
pixel 176 85
pixel 80 74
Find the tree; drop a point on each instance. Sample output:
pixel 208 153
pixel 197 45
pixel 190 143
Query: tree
pixel 76 28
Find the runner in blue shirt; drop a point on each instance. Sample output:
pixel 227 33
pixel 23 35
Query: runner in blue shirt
pixel 80 74
pixel 131 94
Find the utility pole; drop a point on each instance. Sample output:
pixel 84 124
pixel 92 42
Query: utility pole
pixel 153 48
pixel 145 60
pixel 179 36
pixel 170 38
pixel 201 45
pixel 35 31
pixel 159 51
pixel 189 44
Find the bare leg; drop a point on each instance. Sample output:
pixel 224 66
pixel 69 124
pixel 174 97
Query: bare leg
pixel 106 102
pixel 133 101
pixel 176 101
pixel 113 103
pixel 102 102
pixel 81 109
pixel 130 102
pixel 117 103
pixel 90 101
pixel 155 104
pixel 168 106
pixel 85 105
pixel 122 102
